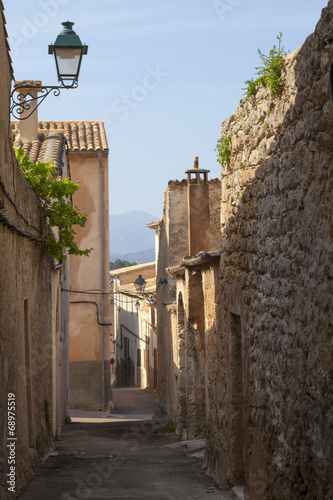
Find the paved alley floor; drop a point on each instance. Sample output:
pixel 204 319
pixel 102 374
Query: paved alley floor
pixel 121 455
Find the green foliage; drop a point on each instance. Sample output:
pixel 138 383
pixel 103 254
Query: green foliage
pixel 270 73
pixel 169 427
pixel 55 195
pixel 265 128
pixel 119 264
pixel 223 150
pixel 40 445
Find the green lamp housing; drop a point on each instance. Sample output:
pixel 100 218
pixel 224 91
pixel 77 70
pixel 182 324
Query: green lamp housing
pixel 68 51
pixel 140 284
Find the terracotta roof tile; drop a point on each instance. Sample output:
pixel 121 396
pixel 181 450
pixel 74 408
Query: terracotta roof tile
pixel 34 152
pixel 81 136
pixel 48 146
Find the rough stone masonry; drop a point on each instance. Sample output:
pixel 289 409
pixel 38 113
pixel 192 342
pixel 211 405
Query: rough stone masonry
pixel 274 343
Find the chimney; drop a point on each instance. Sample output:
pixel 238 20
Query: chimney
pixel 198 209
pixel 28 127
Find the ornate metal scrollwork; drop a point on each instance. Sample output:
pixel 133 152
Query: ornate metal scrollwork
pixel 24 102
pixel 149 296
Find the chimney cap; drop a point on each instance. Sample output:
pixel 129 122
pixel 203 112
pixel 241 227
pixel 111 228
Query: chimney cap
pixel 196 168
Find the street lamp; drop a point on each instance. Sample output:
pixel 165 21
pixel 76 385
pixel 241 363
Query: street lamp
pixel 67 51
pixel 140 284
pixel 137 306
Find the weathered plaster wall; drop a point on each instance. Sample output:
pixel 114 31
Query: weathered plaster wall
pixel 25 310
pixel 85 356
pixel 195 353
pixel 275 317
pixel 153 357
pixel 164 336
pixel 175 220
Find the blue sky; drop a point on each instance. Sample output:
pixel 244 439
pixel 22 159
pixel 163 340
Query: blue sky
pixel 162 74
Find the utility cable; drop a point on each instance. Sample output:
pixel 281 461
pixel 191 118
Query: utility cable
pixel 97 313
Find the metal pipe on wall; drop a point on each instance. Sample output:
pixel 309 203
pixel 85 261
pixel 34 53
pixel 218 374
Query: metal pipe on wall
pixel 102 271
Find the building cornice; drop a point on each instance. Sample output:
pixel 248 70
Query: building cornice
pixel 200 259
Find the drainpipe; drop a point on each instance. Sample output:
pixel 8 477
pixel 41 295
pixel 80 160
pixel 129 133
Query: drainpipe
pixel 102 271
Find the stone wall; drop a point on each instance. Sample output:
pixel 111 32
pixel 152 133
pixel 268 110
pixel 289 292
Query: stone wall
pixel 181 376
pixel 173 245
pixel 214 186
pixel 270 423
pixel 25 309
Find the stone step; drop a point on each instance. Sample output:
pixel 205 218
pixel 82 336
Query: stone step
pixel 238 492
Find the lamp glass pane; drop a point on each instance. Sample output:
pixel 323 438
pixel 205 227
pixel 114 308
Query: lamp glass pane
pixel 68 61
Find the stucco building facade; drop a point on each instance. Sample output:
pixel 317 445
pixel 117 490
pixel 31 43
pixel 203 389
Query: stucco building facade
pixel 90 321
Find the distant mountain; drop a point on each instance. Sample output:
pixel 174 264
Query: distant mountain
pixel 140 257
pixel 129 234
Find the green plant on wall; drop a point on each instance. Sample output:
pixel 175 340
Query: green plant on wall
pixel 265 128
pixel 270 74
pixel 223 150
pixel 55 195
pixel 169 427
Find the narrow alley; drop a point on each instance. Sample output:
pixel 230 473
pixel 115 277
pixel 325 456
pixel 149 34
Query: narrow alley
pixel 166 250
pixel 125 454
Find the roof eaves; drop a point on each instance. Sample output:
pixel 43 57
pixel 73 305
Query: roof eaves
pixel 200 259
pixel 2 8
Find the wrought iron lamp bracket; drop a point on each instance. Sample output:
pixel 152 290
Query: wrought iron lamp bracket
pixel 23 102
pixel 149 296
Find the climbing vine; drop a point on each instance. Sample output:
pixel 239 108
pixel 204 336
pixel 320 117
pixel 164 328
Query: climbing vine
pixel 223 150
pixel 55 195
pixel 270 74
